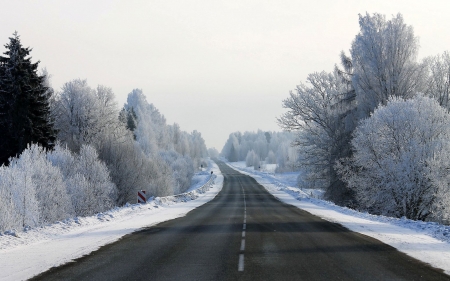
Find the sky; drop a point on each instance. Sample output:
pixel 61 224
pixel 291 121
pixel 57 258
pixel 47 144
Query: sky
pixel 212 66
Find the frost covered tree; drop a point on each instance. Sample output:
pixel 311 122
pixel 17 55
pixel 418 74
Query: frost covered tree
pixel 17 181
pixel 438 84
pixel 318 113
pixel 213 152
pixel 51 194
pixel 34 190
pixel 24 102
pixel 182 169
pixel 150 130
pixel 89 116
pixel 274 147
pixel 169 150
pixel 271 158
pixel 249 159
pixel 86 178
pixel 401 160
pixel 287 158
pixel 231 148
pixel 85 115
pixel 384 57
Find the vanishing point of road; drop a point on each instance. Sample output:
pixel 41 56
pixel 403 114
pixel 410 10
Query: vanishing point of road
pixel 245 233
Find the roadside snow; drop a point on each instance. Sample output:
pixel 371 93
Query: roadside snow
pixel 26 254
pixel 425 241
pixel 201 178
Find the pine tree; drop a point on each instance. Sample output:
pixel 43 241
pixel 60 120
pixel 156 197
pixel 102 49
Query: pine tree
pixel 24 103
pixel 131 120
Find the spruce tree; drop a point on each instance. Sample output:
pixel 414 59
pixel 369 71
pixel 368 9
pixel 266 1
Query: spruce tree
pixel 24 103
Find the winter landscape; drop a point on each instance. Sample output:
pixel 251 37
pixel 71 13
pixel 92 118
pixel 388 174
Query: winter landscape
pixel 203 149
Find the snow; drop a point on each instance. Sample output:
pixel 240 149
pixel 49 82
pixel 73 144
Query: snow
pixel 200 178
pixel 425 241
pixel 26 254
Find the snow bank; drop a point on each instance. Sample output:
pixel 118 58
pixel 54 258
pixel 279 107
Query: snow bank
pixel 26 254
pixel 425 241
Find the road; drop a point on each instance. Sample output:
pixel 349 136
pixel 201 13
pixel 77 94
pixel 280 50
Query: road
pixel 245 234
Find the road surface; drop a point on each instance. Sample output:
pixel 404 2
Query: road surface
pixel 245 234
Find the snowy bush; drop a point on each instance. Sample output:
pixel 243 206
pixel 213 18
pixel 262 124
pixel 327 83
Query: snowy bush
pixel 87 179
pixel 33 191
pixel 401 160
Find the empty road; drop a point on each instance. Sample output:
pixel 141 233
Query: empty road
pixel 245 234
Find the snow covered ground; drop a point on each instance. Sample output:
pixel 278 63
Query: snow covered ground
pixel 25 254
pixel 425 241
pixel 200 178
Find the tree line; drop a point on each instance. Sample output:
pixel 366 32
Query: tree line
pixel 74 152
pixel 257 147
pixel 374 132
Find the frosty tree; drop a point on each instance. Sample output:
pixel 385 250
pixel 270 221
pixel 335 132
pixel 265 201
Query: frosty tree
pixel 438 84
pixel 401 160
pixel 318 111
pixel 24 102
pixel 384 59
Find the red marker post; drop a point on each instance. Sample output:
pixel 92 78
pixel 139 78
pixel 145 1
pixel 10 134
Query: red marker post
pixel 141 197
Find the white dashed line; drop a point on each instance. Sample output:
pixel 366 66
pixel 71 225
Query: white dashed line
pixel 241 262
pixel 241 255
pixel 243 245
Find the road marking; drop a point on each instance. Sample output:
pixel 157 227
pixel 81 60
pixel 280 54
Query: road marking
pixel 244 226
pixel 241 262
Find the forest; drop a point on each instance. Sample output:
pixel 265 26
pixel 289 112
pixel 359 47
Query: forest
pixel 260 147
pixel 374 133
pixel 75 152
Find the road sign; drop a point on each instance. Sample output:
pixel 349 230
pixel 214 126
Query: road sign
pixel 141 197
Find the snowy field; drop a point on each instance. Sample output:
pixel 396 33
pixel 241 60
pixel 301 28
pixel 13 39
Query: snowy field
pixel 26 254
pixel 425 241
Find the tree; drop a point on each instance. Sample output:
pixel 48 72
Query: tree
pixel 438 84
pixel 401 160
pixel 213 152
pixel 86 178
pixel 384 60
pixel 271 158
pixel 85 115
pixel 317 113
pixel 268 136
pixel 24 103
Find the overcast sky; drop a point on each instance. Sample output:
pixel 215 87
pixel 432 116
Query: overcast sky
pixel 212 66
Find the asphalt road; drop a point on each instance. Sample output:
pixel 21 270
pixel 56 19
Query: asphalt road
pixel 245 234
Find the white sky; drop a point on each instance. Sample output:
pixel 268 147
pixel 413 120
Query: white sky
pixel 213 66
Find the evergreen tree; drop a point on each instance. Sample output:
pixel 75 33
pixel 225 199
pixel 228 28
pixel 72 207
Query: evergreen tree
pixel 131 120
pixel 24 103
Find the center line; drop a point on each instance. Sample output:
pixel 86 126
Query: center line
pixel 243 234
pixel 243 245
pixel 241 262
pixel 244 226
